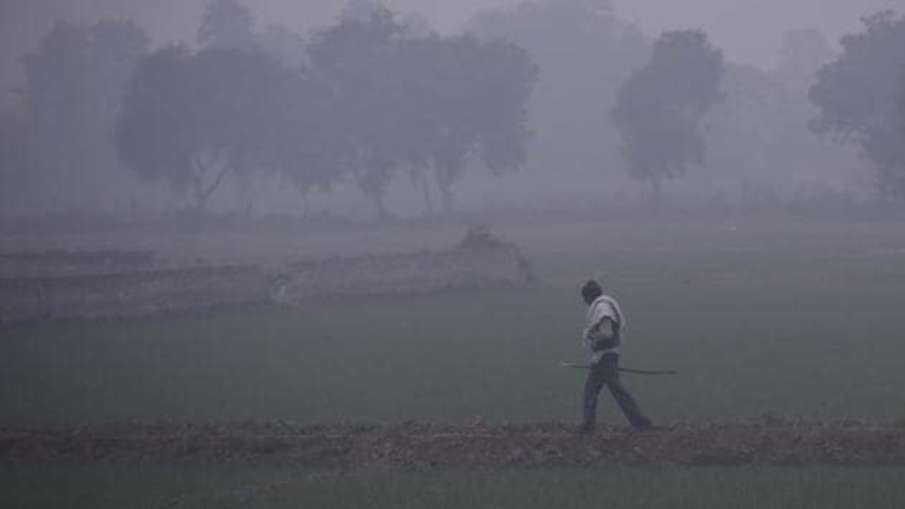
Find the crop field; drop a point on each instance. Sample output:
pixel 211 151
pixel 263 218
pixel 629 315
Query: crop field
pixel 767 325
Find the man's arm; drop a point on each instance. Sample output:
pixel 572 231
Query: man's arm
pixel 603 336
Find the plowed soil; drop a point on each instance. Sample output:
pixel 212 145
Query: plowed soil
pixel 417 445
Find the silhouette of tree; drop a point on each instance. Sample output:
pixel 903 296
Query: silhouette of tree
pixel 661 106
pixel 901 106
pixel 469 99
pixel 191 120
pixel 16 152
pixel 287 46
pixel 303 138
pixel 227 24
pixel 584 52
pixel 857 94
pixel 353 56
pixel 414 100
pixel 73 94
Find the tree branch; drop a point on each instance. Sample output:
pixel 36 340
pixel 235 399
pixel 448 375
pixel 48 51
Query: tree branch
pixel 216 183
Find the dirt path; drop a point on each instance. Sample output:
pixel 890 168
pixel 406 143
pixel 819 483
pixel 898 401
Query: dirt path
pixel 432 445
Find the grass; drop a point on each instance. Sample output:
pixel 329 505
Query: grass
pixel 450 358
pixel 788 320
pixel 775 322
pixel 265 487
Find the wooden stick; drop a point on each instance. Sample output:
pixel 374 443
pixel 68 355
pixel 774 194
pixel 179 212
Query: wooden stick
pixel 624 370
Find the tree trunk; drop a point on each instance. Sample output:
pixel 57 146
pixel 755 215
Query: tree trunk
pixel 381 207
pixel 201 192
pixel 449 199
pixel 447 195
pixel 306 206
pixel 133 208
pixel 428 201
pixel 656 195
pixel 247 193
pixel 199 205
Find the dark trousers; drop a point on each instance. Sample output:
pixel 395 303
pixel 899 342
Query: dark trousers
pixel 606 372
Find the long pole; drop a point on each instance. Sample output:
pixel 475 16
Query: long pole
pixel 624 370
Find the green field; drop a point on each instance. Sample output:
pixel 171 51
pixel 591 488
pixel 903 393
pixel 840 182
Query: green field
pixel 789 320
pixel 667 488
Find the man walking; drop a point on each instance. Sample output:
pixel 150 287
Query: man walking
pixel 603 337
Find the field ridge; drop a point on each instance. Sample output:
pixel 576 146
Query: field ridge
pixel 424 445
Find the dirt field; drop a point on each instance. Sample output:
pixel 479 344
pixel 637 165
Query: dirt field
pixel 431 445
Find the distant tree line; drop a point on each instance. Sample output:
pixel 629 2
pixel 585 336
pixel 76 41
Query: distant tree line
pixel 62 136
pixel 371 101
pixel 559 88
pixel 366 100
pixel 667 105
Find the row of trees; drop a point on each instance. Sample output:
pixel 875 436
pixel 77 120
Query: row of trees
pixel 585 53
pixel 367 100
pixel 371 101
pixel 604 89
pixel 58 142
pixel 859 96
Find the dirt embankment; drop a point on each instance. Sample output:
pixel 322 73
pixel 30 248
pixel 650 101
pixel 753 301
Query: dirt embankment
pixel 479 262
pixel 115 284
pixel 62 262
pixel 415 445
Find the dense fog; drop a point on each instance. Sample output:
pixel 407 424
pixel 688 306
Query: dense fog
pixel 452 253
pixel 130 111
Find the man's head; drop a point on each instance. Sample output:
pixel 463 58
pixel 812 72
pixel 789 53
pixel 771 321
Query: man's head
pixel 591 291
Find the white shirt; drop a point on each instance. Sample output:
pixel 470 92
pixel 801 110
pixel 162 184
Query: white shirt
pixel 603 307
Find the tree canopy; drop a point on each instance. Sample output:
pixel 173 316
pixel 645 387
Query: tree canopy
pixel 72 96
pixel 227 24
pixel 661 106
pixel 371 100
pixel 584 52
pixel 421 102
pixel 857 95
pixel 192 119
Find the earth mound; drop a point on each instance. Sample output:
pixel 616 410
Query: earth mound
pixel 116 284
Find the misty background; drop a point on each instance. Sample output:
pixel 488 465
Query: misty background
pixel 750 31
pixel 760 147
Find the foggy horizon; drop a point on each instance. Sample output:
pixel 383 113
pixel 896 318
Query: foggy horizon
pixel 519 254
pixel 756 136
pixel 749 31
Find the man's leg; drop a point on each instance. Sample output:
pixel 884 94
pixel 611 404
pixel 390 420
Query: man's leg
pixel 623 398
pixel 592 387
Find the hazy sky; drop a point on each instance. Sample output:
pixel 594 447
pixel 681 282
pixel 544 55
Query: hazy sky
pixel 751 31
pixel 748 30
